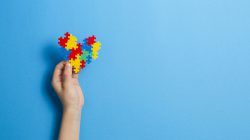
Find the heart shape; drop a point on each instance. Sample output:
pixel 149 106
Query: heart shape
pixel 78 54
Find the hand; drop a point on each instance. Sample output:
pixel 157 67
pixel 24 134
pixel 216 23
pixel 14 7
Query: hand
pixel 67 87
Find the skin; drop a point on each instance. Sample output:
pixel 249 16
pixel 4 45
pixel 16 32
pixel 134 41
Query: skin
pixel 67 87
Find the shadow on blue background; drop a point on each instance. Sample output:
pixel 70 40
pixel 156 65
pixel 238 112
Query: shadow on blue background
pixel 52 57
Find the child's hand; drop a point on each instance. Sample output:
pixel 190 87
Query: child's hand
pixel 67 86
pixel 69 91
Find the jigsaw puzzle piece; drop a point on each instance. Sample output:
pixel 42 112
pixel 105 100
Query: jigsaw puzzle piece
pixel 63 40
pixel 76 64
pixel 89 59
pixel 65 53
pixel 95 48
pixel 75 52
pixel 71 43
pixel 91 40
pixel 83 64
pixel 84 55
pixel 87 47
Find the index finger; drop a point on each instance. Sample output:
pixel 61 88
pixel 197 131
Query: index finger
pixel 58 71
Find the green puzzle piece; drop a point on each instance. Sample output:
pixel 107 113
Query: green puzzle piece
pixel 84 55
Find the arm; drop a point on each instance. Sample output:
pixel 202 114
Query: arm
pixel 67 87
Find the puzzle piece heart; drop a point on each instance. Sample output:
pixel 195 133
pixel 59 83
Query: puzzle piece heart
pixel 78 54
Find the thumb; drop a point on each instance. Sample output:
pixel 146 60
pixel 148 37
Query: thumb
pixel 67 74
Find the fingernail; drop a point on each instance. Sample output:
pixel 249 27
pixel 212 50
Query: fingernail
pixel 68 65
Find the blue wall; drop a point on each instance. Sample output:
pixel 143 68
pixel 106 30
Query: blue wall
pixel 168 69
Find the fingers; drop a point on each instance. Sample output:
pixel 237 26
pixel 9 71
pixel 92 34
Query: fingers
pixel 75 78
pixel 75 75
pixel 56 80
pixel 67 74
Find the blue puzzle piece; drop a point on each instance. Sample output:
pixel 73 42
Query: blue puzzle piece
pixel 65 53
pixel 84 41
pixel 89 58
pixel 86 47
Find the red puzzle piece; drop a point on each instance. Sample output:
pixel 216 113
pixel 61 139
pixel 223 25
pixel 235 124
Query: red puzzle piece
pixel 74 52
pixel 62 41
pixel 83 64
pixel 91 40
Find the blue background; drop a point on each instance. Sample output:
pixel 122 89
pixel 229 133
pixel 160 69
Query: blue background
pixel 168 69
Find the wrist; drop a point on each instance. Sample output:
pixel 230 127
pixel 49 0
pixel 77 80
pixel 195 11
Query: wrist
pixel 72 106
pixel 72 109
pixel 73 113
